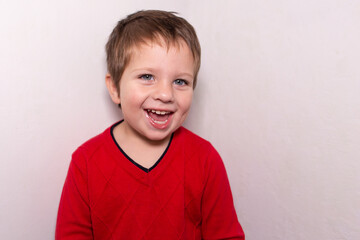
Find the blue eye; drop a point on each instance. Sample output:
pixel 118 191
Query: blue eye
pixel 180 82
pixel 147 77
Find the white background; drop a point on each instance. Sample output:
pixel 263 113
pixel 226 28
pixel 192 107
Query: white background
pixel 278 96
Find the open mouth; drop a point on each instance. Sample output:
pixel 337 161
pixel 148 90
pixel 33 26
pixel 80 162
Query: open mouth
pixel 159 118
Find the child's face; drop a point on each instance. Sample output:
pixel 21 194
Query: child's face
pixel 156 90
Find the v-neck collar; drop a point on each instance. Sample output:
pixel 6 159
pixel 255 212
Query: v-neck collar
pixel 146 170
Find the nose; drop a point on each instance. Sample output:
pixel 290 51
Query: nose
pixel 164 92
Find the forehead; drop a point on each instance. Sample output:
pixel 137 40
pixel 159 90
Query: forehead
pixel 174 44
pixel 155 52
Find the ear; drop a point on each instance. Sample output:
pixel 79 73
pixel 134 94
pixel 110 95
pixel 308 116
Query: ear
pixel 113 90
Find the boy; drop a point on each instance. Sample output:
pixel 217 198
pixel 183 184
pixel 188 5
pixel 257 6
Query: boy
pixel 146 177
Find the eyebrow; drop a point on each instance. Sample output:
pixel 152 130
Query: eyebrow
pixel 155 70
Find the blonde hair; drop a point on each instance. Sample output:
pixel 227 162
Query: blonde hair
pixel 154 25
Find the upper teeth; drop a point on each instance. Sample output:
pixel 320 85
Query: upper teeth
pixel 158 112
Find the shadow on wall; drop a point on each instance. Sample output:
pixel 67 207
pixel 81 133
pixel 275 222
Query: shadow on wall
pixel 195 119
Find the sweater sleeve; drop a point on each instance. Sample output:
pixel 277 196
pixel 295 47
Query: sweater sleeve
pixel 219 219
pixel 73 220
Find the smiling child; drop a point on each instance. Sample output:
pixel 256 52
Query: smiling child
pixel 146 176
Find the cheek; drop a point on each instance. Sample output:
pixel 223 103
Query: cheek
pixel 185 102
pixel 132 101
pixel 130 95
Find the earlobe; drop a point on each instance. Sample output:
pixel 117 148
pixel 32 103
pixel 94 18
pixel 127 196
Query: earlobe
pixel 113 90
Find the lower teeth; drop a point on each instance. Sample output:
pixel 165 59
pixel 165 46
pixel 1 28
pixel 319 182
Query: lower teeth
pixel 159 122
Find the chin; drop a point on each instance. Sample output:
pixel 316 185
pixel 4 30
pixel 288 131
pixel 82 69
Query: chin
pixel 158 137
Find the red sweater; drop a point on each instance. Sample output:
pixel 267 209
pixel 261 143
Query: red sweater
pixel 186 195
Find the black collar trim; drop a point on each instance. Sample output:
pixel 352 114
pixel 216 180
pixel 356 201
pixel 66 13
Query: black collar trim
pixel 147 170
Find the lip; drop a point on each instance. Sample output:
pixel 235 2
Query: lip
pixel 159 124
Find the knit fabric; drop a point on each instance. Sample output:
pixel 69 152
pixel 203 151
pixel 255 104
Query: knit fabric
pixel 185 196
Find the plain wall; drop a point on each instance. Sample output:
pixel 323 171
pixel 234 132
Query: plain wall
pixel 278 96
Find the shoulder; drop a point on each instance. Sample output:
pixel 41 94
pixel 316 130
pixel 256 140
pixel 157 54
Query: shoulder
pixel 192 142
pixel 198 151
pixel 93 146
